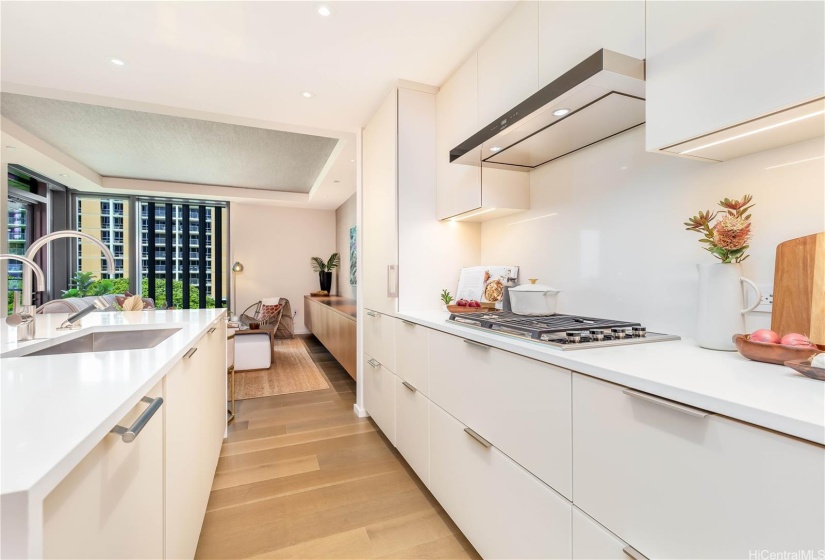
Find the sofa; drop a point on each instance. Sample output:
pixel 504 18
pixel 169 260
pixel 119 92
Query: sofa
pixel 75 304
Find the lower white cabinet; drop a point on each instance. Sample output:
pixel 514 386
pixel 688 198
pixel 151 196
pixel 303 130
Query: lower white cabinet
pixel 379 395
pixel 111 504
pixel 379 337
pixel 591 541
pixel 677 482
pixel 412 354
pixel 195 397
pixel 412 428
pixel 504 511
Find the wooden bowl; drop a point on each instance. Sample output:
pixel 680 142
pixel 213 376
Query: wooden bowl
pixel 772 353
pixel 805 368
pixel 464 309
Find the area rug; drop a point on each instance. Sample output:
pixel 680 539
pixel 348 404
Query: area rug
pixel 292 371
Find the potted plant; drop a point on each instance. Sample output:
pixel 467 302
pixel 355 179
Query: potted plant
pixel 324 270
pixel 721 300
pixel 446 298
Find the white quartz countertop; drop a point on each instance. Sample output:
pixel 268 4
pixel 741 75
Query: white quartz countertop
pixel 767 395
pixel 55 409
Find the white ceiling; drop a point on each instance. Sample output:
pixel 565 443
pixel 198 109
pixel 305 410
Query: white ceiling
pixel 240 63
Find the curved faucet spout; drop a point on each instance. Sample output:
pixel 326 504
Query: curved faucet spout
pixel 63 234
pixel 41 278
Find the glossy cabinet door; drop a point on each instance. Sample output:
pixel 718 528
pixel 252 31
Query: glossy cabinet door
pixel 379 238
pixel 412 428
pixel 521 405
pixel 379 337
pixel 508 63
pixel 412 353
pixel 711 65
pixel 591 541
pixel 111 505
pixel 379 395
pixel 502 509
pixel 677 482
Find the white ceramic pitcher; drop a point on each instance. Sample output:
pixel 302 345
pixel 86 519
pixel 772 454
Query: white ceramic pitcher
pixel 722 305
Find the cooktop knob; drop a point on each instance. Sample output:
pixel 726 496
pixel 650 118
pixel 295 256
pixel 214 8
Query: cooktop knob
pixel 618 333
pixel 574 337
pixel 639 332
pixel 596 335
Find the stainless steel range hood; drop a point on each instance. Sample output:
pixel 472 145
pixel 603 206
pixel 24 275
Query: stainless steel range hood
pixel 599 98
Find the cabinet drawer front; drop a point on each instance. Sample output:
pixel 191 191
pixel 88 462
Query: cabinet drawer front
pixel 522 406
pixel 502 509
pixel 379 337
pixel 412 428
pixel 591 541
pixel 411 354
pixel 379 395
pixel 676 484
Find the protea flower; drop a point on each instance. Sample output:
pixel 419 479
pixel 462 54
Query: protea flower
pixel 731 233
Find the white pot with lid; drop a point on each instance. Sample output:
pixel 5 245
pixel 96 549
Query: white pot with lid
pixel 533 299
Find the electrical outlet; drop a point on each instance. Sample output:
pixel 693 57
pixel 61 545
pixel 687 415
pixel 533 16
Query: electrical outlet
pixel 766 304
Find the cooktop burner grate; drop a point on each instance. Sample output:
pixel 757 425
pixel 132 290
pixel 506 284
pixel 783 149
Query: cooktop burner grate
pixel 535 327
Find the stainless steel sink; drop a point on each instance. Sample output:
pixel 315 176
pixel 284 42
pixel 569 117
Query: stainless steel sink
pixel 108 341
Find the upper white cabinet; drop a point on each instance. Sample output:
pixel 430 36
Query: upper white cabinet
pixel 379 240
pixel 569 32
pixel 713 65
pixel 508 63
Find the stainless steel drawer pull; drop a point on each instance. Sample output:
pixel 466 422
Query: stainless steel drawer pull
pixel 373 362
pixel 210 331
pixel 190 353
pixel 372 313
pixel 129 434
pixel 668 404
pixel 478 438
pixel 408 386
pixel 474 343
pixel 633 553
pixel 410 323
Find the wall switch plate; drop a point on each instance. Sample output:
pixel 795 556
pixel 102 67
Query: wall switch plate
pixel 766 305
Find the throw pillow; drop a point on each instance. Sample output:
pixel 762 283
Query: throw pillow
pixel 267 314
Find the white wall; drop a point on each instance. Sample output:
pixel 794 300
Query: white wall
pixel 606 226
pixel 345 218
pixel 275 245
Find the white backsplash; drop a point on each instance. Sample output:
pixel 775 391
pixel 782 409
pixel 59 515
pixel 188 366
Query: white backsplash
pixel 605 226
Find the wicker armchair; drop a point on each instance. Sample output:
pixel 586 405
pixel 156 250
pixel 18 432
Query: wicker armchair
pixel 283 320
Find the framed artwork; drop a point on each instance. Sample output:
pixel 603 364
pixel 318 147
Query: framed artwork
pixel 353 255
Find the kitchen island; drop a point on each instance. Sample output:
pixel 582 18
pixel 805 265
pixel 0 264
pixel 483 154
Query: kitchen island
pixel 57 414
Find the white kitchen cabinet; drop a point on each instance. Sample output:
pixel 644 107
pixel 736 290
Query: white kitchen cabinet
pixel 111 504
pixel 677 482
pixel 571 31
pixel 521 405
pixel 195 397
pixel 379 337
pixel 412 428
pixel 379 238
pixel 379 395
pixel 591 541
pixel 503 510
pixel 711 65
pixel 412 354
pixel 508 63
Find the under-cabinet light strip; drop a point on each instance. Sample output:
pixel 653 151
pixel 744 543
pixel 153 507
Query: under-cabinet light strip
pixel 473 215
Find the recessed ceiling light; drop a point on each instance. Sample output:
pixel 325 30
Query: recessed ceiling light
pixel 324 11
pixel 117 61
pixel 307 94
pixel 336 181
pixel 64 175
pixel 12 147
pixel 560 112
pixel 352 160
pixel 495 149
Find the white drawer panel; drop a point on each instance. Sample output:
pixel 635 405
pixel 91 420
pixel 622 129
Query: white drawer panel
pixel 676 484
pixel 502 509
pixel 379 337
pixel 522 406
pixel 591 541
pixel 379 395
pixel 412 428
pixel 411 354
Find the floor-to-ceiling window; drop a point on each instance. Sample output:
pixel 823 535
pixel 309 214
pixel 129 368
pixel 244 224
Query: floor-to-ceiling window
pixel 26 222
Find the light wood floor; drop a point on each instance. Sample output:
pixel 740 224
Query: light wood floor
pixel 301 476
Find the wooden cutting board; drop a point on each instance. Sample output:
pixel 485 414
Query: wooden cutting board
pixel 799 287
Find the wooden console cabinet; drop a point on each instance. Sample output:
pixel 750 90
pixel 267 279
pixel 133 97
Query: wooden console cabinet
pixel 332 320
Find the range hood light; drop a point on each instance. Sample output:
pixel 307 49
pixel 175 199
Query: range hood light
pixel 752 132
pixel 560 112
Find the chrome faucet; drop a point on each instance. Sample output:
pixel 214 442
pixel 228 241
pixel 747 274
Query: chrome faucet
pixel 23 316
pixel 27 281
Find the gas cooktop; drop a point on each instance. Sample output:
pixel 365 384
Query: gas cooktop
pixel 567 332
